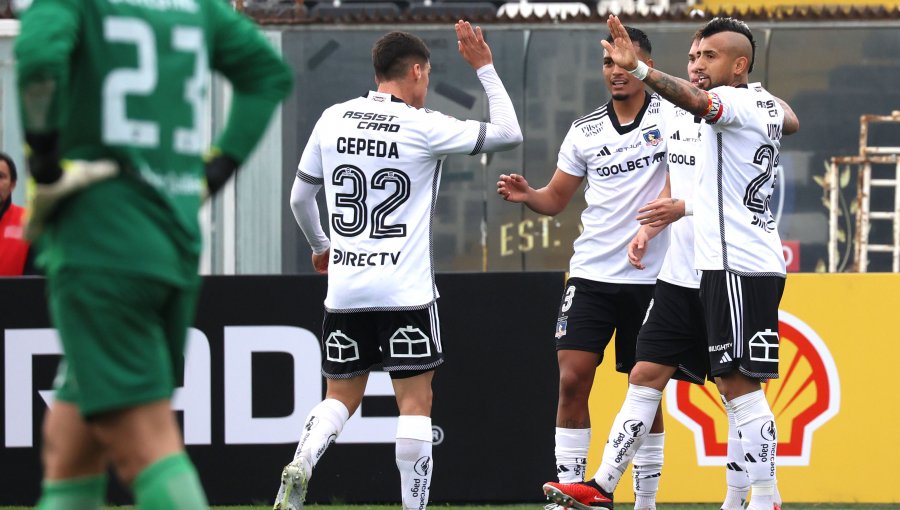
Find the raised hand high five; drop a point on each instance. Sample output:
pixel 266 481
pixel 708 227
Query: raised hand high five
pixel 621 50
pixel 472 46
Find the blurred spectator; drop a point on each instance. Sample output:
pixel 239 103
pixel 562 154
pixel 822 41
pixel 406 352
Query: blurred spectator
pixel 15 258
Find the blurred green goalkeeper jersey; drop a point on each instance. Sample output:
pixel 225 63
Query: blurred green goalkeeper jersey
pixel 130 80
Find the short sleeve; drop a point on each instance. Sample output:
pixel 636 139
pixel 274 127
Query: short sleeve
pixel 570 159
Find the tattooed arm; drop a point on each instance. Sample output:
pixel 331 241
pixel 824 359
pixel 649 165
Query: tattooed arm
pixel 678 91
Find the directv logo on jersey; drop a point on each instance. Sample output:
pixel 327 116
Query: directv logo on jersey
pixel 628 166
pixel 350 258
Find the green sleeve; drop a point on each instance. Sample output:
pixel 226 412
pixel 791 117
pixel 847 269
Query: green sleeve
pixel 259 78
pixel 43 49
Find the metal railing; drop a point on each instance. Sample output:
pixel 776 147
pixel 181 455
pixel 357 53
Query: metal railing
pixel 868 156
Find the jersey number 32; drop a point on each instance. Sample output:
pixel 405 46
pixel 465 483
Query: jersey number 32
pixel 355 221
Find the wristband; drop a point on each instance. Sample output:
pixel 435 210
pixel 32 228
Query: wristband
pixel 640 72
pixel 688 207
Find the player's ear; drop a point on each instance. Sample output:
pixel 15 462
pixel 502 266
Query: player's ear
pixel 649 62
pixel 416 70
pixel 740 65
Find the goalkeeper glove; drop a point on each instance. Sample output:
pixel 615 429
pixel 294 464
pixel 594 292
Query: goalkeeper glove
pixel 42 154
pixel 52 179
pixel 219 168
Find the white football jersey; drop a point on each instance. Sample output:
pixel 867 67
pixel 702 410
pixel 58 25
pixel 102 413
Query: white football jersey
pixel 380 162
pixel 734 226
pixel 683 152
pixel 625 167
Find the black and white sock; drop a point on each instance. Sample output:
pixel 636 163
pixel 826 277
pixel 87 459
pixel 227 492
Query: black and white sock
pixel 571 453
pixel 736 467
pixel 646 470
pixel 759 438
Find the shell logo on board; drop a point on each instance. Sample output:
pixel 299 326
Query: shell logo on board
pixel 805 397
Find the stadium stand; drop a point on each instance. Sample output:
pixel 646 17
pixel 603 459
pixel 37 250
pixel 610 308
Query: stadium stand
pixel 353 11
pixel 547 10
pixel 466 10
pixel 275 10
pixel 633 11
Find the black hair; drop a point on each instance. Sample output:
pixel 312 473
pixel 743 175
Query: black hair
pixel 637 36
pixel 392 54
pixel 13 175
pixel 697 35
pixel 718 25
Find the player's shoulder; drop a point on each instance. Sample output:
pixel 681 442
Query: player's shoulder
pixel 740 93
pixel 758 90
pixel 667 109
pixel 727 90
pixel 429 115
pixel 218 10
pixel 598 115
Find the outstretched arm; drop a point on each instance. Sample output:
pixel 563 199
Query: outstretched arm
pixel 502 132
pixel 678 91
pixel 549 200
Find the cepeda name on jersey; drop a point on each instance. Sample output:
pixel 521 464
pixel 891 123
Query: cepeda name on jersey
pixel 362 259
pixel 366 147
pixel 630 166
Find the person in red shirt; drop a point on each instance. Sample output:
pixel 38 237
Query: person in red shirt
pixel 14 250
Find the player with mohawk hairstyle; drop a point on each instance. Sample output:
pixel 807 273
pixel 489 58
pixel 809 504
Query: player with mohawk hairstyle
pixel 737 248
